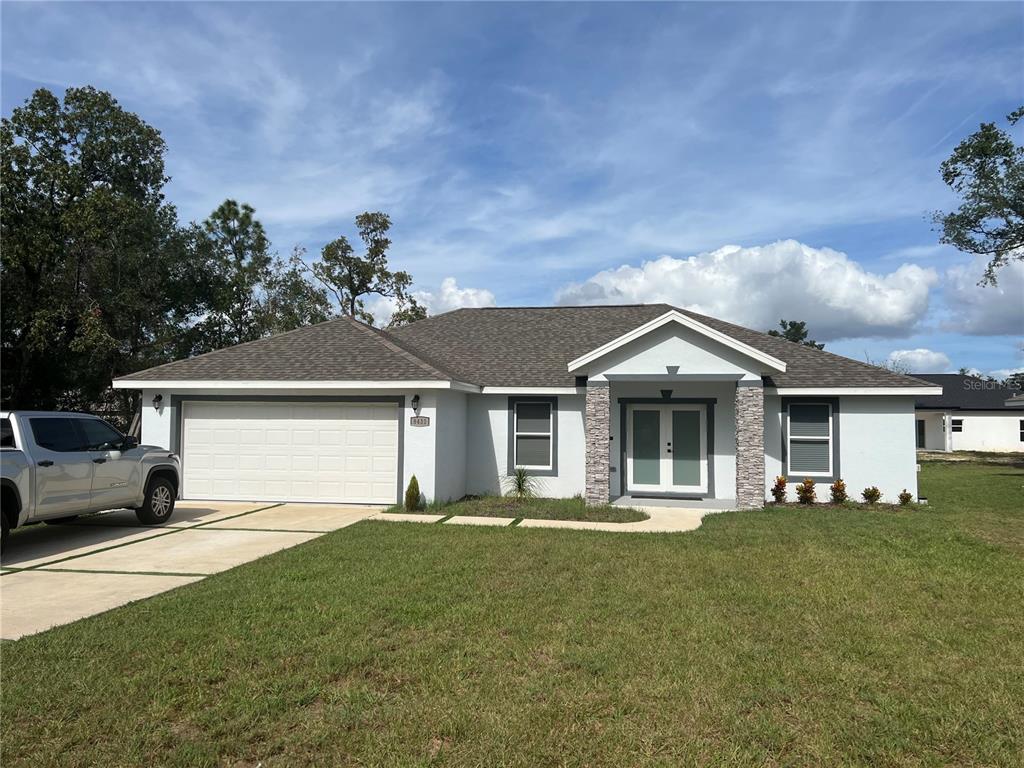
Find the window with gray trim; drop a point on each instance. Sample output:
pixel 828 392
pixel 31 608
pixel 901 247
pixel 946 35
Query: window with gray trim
pixel 958 425
pixel 810 439
pixel 533 435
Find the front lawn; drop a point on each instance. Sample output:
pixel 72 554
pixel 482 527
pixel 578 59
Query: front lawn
pixel 534 509
pixel 796 637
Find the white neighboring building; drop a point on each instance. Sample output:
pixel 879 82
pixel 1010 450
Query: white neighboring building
pixel 971 415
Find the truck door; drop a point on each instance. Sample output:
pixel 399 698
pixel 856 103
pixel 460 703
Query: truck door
pixel 63 467
pixel 115 478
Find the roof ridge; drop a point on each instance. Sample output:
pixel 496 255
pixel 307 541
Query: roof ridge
pixel 385 339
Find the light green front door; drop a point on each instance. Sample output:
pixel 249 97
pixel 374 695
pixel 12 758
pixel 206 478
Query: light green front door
pixel 666 449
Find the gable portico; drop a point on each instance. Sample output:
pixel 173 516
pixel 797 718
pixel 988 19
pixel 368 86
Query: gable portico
pixel 675 410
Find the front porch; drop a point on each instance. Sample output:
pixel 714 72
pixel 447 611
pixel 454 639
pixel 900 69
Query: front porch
pixel 676 441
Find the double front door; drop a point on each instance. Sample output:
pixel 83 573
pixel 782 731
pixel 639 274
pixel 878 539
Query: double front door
pixel 666 449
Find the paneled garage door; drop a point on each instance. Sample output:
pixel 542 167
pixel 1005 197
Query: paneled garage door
pixel 340 452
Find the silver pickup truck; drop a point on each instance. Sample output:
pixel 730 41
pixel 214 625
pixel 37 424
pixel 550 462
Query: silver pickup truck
pixel 55 466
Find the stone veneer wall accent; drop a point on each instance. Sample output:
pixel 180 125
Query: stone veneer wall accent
pixel 749 444
pixel 597 428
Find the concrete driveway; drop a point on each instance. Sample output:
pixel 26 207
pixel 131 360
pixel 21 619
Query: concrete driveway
pixel 53 575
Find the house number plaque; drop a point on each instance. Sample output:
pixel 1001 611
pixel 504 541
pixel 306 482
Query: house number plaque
pixel 419 421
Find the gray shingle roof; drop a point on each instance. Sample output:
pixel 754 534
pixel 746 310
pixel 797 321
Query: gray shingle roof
pixel 532 346
pixel 337 350
pixel 966 393
pixel 509 347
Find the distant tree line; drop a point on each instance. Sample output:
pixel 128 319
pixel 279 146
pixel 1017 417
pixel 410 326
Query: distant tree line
pixel 98 278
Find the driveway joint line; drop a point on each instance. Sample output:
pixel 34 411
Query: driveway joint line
pixel 161 534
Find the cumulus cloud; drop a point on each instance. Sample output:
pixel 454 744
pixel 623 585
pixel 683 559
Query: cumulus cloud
pixel 447 298
pixel 757 286
pixel 920 360
pixel 985 310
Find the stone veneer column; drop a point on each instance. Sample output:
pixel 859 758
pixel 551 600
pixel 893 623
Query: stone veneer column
pixel 749 444
pixel 596 427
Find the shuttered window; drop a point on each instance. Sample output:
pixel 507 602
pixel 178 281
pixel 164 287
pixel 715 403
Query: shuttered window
pixel 810 439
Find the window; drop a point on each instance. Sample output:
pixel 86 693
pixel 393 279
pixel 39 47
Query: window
pixel 533 435
pixel 7 433
pixel 810 439
pixel 958 425
pixel 1022 430
pixel 56 434
pixel 98 434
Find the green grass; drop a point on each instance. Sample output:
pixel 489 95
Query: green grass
pixel 533 509
pixel 790 637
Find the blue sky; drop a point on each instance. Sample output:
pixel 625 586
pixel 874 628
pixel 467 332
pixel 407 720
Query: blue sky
pixel 750 161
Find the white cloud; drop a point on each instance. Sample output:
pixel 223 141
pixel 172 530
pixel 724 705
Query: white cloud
pixel 984 310
pixel 1002 373
pixel 757 286
pixel 447 298
pixel 450 297
pixel 920 360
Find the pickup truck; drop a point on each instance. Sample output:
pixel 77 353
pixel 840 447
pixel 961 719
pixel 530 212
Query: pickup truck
pixel 56 466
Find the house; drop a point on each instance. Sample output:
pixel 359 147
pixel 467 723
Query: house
pixel 971 415
pixel 613 402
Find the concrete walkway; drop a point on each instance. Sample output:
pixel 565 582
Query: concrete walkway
pixel 661 519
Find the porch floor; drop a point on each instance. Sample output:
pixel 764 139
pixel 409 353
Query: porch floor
pixel 665 504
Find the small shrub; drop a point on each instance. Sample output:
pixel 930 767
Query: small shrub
pixel 779 490
pixel 838 492
pixel 412 495
pixel 905 498
pixel 871 495
pixel 805 492
pixel 521 485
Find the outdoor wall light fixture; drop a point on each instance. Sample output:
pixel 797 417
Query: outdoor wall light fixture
pixel 416 404
pixel 157 400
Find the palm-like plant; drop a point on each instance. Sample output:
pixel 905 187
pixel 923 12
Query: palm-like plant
pixel 521 485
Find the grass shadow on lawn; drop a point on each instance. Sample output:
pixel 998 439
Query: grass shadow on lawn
pixel 794 636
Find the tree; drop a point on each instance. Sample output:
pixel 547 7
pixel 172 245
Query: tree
pixel 986 170
pixel 249 293
pixel 291 301
pixel 95 272
pixel 795 331
pixel 349 276
pixel 408 311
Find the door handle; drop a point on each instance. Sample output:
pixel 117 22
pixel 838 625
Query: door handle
pixel 99 461
pixel 45 463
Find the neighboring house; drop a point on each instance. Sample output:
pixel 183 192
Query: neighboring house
pixel 613 402
pixel 971 415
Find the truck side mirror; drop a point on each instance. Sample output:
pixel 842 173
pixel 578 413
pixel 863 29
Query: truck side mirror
pixel 129 443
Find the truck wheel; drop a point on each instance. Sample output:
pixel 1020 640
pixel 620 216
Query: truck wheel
pixel 159 503
pixel 6 528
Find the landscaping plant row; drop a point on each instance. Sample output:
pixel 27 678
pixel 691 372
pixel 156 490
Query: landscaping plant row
pixel 806 492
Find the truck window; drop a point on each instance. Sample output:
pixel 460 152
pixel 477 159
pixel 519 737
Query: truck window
pixel 6 434
pixel 56 434
pixel 98 434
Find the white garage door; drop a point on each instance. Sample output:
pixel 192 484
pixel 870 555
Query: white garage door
pixel 290 452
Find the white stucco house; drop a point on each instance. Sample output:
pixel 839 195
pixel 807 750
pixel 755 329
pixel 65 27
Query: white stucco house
pixel 972 414
pixel 612 402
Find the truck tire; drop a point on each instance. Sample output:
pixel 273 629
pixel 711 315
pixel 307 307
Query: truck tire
pixel 159 503
pixel 5 528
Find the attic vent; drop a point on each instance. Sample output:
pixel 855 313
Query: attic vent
pixel 672 369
